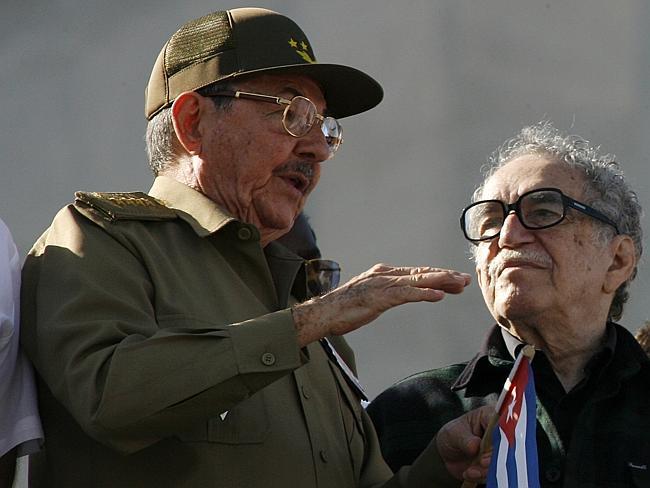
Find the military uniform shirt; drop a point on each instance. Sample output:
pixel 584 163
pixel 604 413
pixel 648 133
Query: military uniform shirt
pixel 168 357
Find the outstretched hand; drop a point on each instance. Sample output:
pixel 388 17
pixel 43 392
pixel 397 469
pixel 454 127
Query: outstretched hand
pixel 368 295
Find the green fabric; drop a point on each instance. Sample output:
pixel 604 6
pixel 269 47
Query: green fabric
pixel 167 357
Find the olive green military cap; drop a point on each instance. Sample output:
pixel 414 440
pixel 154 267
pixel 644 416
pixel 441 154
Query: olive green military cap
pixel 245 41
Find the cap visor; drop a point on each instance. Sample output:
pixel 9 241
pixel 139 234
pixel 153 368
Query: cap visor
pixel 347 91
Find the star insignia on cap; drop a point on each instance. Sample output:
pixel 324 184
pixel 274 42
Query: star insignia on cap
pixel 303 53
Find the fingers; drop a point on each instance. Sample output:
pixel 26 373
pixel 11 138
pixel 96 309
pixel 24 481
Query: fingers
pixel 387 269
pixel 447 280
pixel 459 444
pixel 366 296
pixel 485 416
pixel 436 279
pixel 478 470
pixel 400 294
pixel 383 287
pixel 481 423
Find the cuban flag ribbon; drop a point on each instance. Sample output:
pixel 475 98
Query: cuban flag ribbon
pixel 514 443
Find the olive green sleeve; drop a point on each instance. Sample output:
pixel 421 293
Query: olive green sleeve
pixel 128 376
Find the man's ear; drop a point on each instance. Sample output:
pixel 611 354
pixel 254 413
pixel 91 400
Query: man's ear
pixel 186 116
pixel 480 278
pixel 623 263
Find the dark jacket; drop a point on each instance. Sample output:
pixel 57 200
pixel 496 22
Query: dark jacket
pixel 609 440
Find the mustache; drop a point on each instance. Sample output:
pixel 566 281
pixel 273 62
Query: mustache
pixel 499 262
pixel 302 167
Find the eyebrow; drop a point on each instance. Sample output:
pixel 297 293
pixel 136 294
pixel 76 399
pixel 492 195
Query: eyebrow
pixel 293 91
pixel 297 93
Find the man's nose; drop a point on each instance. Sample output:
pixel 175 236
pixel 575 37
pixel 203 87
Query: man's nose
pixel 513 233
pixel 313 146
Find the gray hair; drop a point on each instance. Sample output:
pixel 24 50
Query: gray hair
pixel 160 138
pixel 605 189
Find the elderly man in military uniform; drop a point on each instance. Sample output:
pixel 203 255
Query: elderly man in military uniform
pixel 556 237
pixel 174 345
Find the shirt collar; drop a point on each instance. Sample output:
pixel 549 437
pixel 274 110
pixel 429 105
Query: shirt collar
pixel 493 353
pixel 285 267
pixel 604 355
pixel 203 215
pixel 501 347
pixel 513 344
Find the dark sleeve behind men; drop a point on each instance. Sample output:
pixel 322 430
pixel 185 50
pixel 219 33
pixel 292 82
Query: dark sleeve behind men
pixel 409 414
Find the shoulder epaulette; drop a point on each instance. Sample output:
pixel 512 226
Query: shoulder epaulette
pixel 125 206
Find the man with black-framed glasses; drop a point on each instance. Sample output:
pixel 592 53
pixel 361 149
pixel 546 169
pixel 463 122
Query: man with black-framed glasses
pixel 172 345
pixel 537 209
pixel 555 234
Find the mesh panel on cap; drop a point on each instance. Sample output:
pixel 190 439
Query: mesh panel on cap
pixel 198 40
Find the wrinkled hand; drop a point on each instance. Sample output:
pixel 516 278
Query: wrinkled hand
pixel 458 443
pixel 368 295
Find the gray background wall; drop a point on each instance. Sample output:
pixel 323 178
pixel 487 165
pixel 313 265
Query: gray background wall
pixel 460 76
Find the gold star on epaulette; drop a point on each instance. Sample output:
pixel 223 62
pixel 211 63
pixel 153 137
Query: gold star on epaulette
pixel 304 45
pixel 293 43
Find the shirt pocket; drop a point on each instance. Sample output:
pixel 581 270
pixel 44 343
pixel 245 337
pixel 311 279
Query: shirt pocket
pixel 245 423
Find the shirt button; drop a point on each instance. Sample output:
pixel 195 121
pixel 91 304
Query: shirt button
pixel 305 391
pixel 244 233
pixel 323 455
pixel 268 359
pixel 553 474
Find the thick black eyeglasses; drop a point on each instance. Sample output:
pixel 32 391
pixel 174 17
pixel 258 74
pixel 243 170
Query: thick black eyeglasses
pixel 299 116
pixel 536 209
